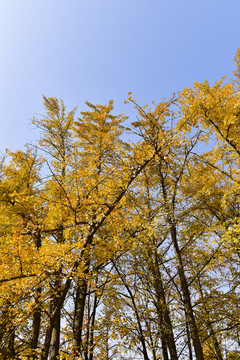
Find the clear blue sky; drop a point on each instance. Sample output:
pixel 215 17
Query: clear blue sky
pixel 98 50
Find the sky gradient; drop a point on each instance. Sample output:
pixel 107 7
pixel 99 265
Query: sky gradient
pixel 97 50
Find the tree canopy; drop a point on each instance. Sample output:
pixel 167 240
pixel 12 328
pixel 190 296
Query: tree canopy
pixel 121 241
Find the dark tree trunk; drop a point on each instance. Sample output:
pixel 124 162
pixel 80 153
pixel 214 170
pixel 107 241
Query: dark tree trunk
pixel 36 324
pixel 55 335
pixel 91 342
pixel 45 350
pixel 37 311
pixel 52 324
pixel 81 292
pixel 164 343
pixel 189 341
pixel 186 297
pixel 167 331
pixel 52 337
pixel 55 339
pixel 11 347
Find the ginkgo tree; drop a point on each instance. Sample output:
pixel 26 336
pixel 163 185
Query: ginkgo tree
pixel 115 248
pixel 89 175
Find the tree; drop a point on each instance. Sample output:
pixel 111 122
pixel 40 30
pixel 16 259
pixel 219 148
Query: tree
pixel 87 182
pixel 114 249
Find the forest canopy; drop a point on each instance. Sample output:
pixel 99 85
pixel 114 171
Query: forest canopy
pixel 121 241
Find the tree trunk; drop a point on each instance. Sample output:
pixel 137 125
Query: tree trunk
pixel 55 339
pixel 189 341
pixel 81 292
pixel 36 324
pixel 91 343
pixel 37 311
pixel 11 354
pixel 52 337
pixel 164 312
pixel 55 335
pixel 186 296
pixel 45 350
pixel 163 340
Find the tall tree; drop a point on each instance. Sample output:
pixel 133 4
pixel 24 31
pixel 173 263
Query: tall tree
pixel 111 246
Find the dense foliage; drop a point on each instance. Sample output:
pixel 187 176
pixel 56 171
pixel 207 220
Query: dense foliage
pixel 125 249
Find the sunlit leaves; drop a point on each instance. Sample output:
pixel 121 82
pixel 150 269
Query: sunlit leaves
pixel 86 205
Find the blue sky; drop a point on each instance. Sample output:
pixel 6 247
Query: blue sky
pixel 97 50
